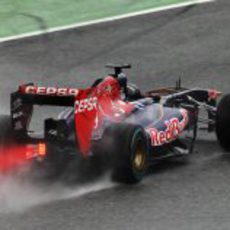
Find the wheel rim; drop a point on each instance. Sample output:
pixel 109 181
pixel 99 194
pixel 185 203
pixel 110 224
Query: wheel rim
pixel 139 158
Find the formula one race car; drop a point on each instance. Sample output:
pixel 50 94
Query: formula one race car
pixel 115 120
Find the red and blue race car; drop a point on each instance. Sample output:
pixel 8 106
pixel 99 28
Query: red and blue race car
pixel 114 120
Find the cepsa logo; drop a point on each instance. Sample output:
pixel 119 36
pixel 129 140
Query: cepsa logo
pixel 174 128
pixel 87 104
pixel 52 91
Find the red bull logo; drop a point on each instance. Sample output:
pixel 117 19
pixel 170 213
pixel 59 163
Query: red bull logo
pixel 174 128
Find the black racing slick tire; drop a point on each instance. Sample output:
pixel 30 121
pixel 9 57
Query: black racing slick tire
pixel 223 123
pixel 129 146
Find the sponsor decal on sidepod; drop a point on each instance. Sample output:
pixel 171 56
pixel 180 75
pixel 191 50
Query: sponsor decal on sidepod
pixel 174 128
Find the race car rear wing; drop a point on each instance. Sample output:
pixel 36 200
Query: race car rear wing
pixel 23 100
pixel 82 100
pixel 31 94
pixel 91 107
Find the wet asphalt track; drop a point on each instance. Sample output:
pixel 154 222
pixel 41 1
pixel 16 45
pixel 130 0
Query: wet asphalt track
pixel 192 43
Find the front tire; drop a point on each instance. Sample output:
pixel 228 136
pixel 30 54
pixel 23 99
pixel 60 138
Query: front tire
pixel 223 122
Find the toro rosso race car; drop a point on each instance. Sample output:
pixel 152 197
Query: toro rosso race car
pixel 114 120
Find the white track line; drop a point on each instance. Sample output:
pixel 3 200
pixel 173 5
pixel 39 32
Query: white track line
pixel 108 19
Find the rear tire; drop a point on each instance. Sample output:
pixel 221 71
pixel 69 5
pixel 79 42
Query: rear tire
pixel 223 123
pixel 129 147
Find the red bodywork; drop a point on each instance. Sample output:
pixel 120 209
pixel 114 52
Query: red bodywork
pixel 93 105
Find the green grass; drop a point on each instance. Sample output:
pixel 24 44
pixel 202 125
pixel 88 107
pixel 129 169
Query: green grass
pixel 21 16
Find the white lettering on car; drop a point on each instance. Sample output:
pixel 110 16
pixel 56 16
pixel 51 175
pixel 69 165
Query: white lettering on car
pixel 174 128
pixel 30 89
pixel 41 90
pixel 17 115
pixel 51 91
pixel 62 92
pixel 87 104
pixel 73 92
